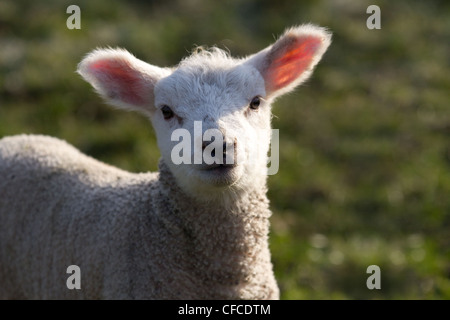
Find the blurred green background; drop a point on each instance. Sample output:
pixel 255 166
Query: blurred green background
pixel 364 145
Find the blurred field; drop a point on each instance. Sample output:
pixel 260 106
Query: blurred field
pixel 364 146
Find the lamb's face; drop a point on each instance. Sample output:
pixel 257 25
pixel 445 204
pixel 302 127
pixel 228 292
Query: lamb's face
pixel 210 95
pixel 219 98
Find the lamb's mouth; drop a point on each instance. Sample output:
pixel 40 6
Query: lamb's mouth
pixel 218 167
pixel 219 174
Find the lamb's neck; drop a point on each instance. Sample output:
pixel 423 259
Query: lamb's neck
pixel 225 240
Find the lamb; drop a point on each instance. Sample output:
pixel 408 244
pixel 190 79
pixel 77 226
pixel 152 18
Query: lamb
pixel 193 230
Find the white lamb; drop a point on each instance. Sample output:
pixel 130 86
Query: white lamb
pixel 191 231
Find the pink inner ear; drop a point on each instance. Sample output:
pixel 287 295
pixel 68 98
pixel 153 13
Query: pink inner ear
pixel 119 80
pixel 292 63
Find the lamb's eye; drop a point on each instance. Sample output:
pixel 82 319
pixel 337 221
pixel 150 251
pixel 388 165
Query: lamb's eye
pixel 254 104
pixel 167 112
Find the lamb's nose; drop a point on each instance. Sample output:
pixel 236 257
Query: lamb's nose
pixel 213 152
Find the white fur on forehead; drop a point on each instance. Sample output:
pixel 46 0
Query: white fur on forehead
pixel 208 58
pixel 209 75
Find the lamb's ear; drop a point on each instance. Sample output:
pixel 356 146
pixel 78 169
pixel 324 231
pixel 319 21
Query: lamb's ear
pixel 122 79
pixel 291 59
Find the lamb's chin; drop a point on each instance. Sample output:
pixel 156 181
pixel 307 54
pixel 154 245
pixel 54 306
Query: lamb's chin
pixel 209 183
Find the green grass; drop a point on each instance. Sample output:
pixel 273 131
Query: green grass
pixel 364 146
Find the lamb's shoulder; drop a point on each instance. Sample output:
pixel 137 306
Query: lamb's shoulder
pixel 50 170
pixel 94 211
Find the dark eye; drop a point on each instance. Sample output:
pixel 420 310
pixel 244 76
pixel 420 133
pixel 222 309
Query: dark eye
pixel 254 104
pixel 167 112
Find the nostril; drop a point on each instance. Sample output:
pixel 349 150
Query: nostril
pixel 229 153
pixel 227 148
pixel 205 144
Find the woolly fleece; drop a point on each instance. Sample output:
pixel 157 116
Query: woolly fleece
pixel 126 232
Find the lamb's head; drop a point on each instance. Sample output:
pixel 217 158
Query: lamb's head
pixel 212 112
